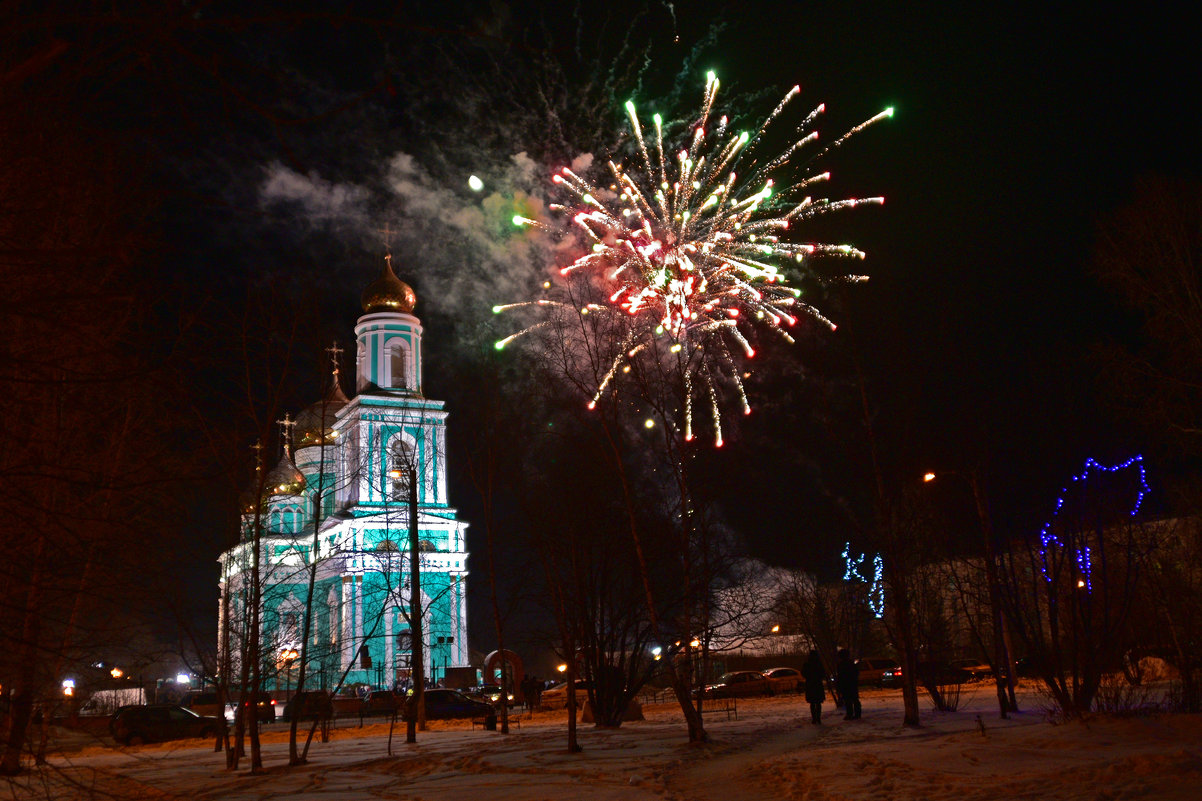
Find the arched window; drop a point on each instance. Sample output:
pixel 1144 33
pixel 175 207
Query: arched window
pixel 290 556
pixel 397 365
pixel 401 460
pixel 334 623
pixel 387 546
pixel 425 546
pixel 360 368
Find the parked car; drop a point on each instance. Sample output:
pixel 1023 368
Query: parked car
pixel 263 702
pixel 310 705
pixel 739 684
pixel 381 702
pixel 942 673
pixel 488 692
pixel 930 673
pixel 873 670
pixel 1026 667
pixel 203 702
pixel 785 679
pixel 557 697
pixel 442 704
pixel 977 669
pixel 134 725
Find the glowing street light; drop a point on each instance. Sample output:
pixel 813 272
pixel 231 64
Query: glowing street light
pixel 116 673
pixel 928 477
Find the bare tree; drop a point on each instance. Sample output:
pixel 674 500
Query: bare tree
pixel 1149 253
pixel 1070 588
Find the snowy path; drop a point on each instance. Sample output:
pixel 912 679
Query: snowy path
pixel 768 753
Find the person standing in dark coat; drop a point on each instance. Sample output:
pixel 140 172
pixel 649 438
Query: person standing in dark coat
pixel 847 682
pixel 814 675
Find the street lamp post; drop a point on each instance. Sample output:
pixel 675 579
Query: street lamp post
pixel 1003 663
pixel 288 656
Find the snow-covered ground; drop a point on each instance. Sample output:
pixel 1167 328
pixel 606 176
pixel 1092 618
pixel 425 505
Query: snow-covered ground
pixel 770 752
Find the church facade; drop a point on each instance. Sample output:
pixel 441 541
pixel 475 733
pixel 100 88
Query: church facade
pixel 339 500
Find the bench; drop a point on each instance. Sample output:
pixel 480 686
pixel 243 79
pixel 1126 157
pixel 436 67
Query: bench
pixel 721 706
pixel 493 723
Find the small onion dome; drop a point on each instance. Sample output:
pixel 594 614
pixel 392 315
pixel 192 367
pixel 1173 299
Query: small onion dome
pixel 284 479
pixel 315 425
pixel 388 293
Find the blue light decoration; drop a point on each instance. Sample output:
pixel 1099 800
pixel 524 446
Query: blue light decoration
pixel 854 571
pixel 1083 556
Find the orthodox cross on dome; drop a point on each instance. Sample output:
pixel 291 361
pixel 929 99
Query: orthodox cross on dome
pixel 387 232
pixel 335 352
pixel 286 425
pixel 258 449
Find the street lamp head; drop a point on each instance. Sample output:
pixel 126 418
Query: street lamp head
pixel 928 477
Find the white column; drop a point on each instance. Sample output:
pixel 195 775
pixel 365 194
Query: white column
pixel 348 613
pixel 440 473
pixel 358 580
pixel 461 620
pixel 389 651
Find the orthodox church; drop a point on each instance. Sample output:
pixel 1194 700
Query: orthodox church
pixel 340 499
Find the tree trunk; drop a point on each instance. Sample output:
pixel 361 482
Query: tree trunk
pixel 417 713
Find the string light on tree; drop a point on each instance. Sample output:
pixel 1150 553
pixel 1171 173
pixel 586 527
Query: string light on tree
pixel 694 243
pixel 855 570
pixel 1083 556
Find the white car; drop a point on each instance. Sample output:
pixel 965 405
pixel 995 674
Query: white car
pixel 557 697
pixel 785 679
pixel 976 667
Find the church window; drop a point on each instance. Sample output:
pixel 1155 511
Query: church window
pixel 396 365
pixel 291 627
pixel 401 460
pixel 332 606
pixel 352 466
pixel 361 368
pixel 290 556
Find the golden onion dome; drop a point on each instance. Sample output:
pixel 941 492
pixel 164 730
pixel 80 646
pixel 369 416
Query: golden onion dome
pixel 284 479
pixel 388 293
pixel 314 425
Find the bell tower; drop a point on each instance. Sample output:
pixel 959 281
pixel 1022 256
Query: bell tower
pixel 388 356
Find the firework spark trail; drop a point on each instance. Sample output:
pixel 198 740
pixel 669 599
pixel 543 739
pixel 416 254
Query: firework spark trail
pixel 685 248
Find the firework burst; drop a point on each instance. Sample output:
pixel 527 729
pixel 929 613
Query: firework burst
pixel 695 247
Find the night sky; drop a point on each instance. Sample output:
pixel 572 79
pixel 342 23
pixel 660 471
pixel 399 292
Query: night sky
pixel 271 140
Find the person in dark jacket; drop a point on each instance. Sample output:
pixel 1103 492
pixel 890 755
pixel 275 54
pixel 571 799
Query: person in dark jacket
pixel 847 682
pixel 814 675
